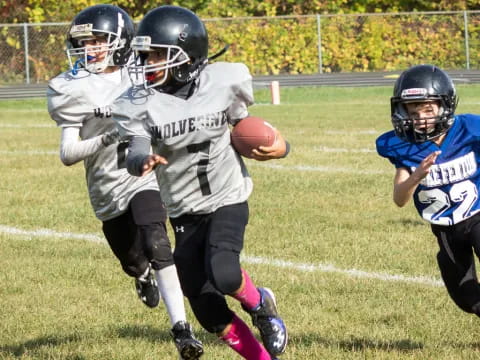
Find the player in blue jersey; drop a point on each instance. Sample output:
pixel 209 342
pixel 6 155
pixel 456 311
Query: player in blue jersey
pixel 436 155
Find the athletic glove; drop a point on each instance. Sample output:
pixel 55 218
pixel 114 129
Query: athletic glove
pixel 110 137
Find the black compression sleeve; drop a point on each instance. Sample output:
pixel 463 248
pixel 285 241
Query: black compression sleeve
pixel 138 150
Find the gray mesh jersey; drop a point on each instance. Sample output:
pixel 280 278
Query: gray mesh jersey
pixel 204 172
pixel 84 101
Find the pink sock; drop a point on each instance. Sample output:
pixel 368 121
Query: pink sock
pixel 242 341
pixel 249 296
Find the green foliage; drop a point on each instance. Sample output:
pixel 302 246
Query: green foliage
pixel 272 45
pixel 348 43
pixel 18 11
pixel 268 46
pixel 368 43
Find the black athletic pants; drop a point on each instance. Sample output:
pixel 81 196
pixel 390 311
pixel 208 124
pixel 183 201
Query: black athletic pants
pixel 138 237
pixel 458 243
pixel 207 257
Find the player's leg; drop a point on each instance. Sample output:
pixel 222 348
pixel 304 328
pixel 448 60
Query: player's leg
pixel 149 215
pixel 474 224
pixel 208 304
pixel 457 267
pixel 227 230
pixel 122 234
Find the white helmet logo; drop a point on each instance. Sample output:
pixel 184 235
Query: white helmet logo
pixel 183 34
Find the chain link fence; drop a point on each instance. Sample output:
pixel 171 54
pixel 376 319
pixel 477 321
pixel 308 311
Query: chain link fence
pixel 34 53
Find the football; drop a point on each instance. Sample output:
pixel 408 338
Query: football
pixel 250 133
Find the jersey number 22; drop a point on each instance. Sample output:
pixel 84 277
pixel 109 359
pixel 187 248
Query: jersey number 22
pixel 465 193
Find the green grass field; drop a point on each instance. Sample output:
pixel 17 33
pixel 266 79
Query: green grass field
pixel 355 277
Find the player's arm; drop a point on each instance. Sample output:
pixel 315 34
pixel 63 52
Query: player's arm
pixel 279 149
pixel 69 113
pixel 139 160
pixel 73 149
pixel 404 183
pixel 243 90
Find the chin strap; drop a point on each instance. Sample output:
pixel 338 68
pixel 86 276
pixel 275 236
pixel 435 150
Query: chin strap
pixel 80 63
pixel 76 66
pixel 220 53
pixel 175 84
pixel 205 62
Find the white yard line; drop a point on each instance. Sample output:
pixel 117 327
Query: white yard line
pixel 343 150
pixel 324 169
pixel 424 280
pixel 29 152
pixel 315 148
pixel 51 234
pixel 24 126
pixel 275 166
pixel 352 132
pixel 303 267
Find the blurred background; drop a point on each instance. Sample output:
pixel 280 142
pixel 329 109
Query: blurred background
pixel 273 37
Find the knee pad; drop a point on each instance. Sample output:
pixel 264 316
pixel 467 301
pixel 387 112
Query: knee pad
pixel 157 246
pixel 225 272
pixel 476 309
pixel 211 311
pixel 466 307
pixel 137 268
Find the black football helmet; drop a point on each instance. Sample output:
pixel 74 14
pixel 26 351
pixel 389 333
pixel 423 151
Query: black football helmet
pixel 181 35
pixel 423 83
pixel 103 20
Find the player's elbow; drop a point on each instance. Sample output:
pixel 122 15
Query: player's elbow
pixel 400 202
pixel 67 160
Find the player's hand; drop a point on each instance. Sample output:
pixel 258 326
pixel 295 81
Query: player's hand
pixel 422 171
pixel 151 161
pixel 275 151
pixel 110 137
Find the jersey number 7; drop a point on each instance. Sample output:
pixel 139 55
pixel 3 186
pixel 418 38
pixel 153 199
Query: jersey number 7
pixel 204 150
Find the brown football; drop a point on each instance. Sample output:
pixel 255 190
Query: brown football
pixel 250 133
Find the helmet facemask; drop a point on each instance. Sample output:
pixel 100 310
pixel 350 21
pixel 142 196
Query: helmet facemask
pixel 80 55
pixel 410 128
pixel 175 64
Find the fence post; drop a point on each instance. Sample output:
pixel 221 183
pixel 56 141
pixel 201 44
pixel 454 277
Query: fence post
pixel 467 50
pixel 319 34
pixel 25 45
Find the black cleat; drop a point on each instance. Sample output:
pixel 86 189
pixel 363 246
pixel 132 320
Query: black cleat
pixel 188 346
pixel 272 328
pixel 147 289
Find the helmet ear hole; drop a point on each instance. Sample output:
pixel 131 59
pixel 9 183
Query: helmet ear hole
pixel 180 73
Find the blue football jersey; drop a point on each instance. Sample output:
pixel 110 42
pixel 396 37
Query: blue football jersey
pixel 449 193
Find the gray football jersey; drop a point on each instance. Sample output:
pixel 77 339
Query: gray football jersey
pixel 84 100
pixel 204 172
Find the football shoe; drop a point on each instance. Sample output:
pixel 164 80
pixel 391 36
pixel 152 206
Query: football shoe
pixel 147 289
pixel 187 345
pixel 272 328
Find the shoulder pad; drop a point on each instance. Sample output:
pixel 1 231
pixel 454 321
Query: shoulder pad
pixel 386 142
pixel 228 72
pixel 471 123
